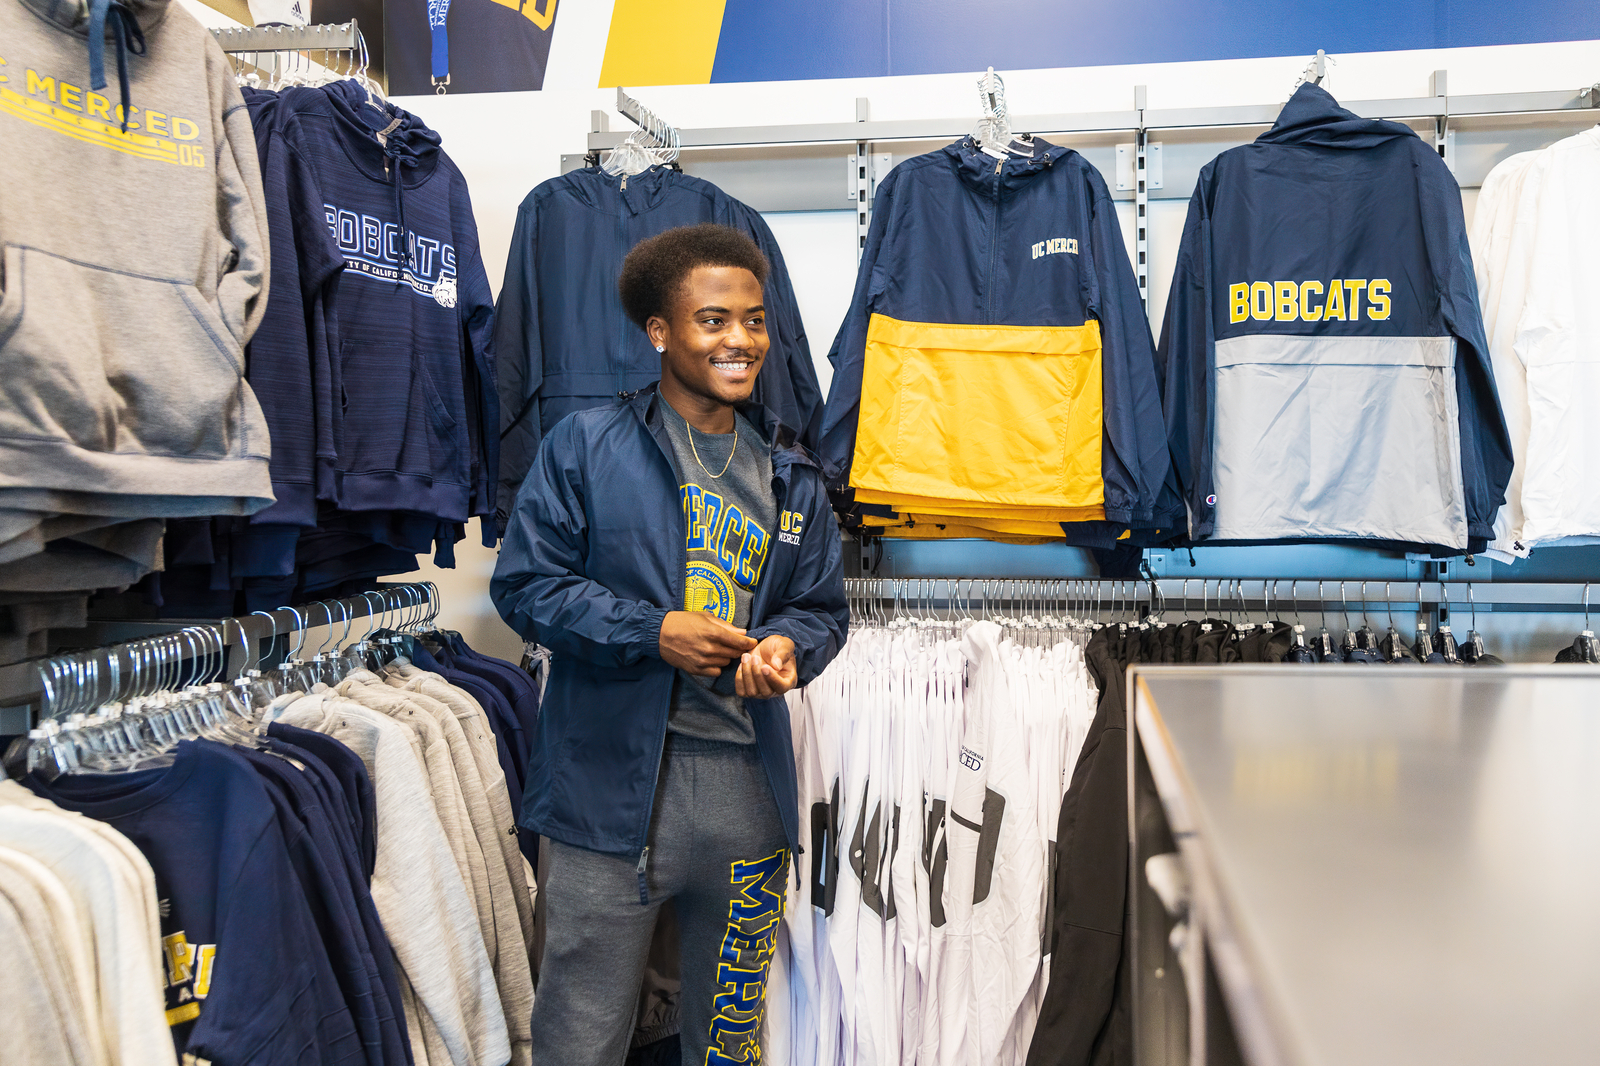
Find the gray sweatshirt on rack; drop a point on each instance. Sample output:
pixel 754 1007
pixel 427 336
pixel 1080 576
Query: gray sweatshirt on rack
pixel 134 269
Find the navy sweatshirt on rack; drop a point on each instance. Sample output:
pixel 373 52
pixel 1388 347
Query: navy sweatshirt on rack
pixel 410 385
pixel 248 977
pixel 374 363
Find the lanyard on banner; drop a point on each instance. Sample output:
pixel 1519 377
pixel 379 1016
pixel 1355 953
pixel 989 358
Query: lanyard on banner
pixel 438 14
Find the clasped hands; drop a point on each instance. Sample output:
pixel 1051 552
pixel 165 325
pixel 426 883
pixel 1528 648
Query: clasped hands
pixel 699 643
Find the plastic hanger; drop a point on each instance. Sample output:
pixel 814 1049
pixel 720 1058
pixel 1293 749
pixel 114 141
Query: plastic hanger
pixel 992 135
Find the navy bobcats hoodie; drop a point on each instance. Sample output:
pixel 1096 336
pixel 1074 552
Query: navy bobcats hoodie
pixel 405 385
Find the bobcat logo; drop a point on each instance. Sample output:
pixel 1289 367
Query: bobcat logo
pixel 444 292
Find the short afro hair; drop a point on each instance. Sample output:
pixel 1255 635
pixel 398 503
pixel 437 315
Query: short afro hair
pixel 657 267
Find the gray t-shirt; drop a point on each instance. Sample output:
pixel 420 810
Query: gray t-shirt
pixel 730 520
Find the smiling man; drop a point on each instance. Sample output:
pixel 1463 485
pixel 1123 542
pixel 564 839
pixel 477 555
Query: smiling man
pixel 675 551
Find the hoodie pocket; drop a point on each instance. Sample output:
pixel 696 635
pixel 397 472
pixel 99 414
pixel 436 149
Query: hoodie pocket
pixel 395 419
pixel 117 362
pixel 1337 437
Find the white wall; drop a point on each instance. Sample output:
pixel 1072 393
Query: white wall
pixel 506 143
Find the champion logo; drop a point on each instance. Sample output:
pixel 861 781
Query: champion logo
pixel 1211 501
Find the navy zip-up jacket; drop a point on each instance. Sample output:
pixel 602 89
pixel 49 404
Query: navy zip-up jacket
pixel 593 561
pixel 552 360
pixel 1327 374
pixel 958 236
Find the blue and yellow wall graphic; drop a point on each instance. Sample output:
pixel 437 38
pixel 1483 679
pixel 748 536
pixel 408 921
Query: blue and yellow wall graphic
pixel 693 42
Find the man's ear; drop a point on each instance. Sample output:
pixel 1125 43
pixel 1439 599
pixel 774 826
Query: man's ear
pixel 656 329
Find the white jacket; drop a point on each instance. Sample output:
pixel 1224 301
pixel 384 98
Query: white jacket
pixel 1538 265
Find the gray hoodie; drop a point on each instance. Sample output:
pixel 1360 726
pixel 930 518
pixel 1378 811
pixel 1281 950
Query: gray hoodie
pixel 135 268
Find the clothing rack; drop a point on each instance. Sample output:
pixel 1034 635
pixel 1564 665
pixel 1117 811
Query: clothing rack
pixel 30 684
pixel 1140 117
pixel 1140 161
pixel 653 132
pixel 333 37
pixel 953 598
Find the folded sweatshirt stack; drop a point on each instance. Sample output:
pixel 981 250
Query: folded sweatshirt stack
pixel 135 270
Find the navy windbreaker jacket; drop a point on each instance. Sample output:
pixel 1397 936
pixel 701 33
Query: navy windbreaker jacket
pixel 593 561
pixel 1327 374
pixel 960 237
pixel 562 340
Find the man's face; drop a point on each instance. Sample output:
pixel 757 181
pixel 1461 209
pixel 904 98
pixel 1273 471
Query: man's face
pixel 715 335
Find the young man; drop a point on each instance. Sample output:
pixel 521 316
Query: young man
pixel 676 552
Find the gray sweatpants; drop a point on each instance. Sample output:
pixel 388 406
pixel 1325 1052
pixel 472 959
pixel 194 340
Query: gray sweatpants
pixel 717 850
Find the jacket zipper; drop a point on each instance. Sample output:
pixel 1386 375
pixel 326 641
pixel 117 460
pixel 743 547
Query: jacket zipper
pixel 643 868
pixel 617 353
pixel 994 241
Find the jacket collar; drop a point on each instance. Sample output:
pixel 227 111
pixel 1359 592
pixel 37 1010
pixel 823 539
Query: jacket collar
pixel 785 450
pixel 977 170
pixel 605 192
pixel 1312 117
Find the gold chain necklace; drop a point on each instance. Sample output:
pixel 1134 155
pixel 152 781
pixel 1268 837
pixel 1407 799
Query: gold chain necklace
pixel 696 451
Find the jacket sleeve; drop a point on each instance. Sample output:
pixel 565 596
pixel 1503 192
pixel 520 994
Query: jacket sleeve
pixel 1486 456
pixel 475 308
pixel 836 443
pixel 1134 451
pixel 519 357
pixel 540 584
pixel 1185 359
pixel 290 359
pixel 803 403
pixel 812 610
pixel 241 207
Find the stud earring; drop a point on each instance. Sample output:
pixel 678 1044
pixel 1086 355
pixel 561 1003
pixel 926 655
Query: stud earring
pixel 661 347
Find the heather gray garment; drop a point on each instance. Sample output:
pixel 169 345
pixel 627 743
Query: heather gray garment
pixel 447 983
pixel 134 266
pixel 39 1029
pixel 62 951
pixel 29 541
pixel 112 556
pixel 49 527
pixel 731 521
pixel 402 673
pixel 717 851
pixel 130 1014
pixel 493 827
pixel 444 783
pixel 25 627
pixel 17 521
pixel 121 504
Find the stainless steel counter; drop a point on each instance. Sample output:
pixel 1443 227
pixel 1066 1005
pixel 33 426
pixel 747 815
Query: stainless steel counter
pixel 1389 865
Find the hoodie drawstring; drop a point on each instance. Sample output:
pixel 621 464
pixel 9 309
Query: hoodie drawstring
pixel 397 152
pixel 125 35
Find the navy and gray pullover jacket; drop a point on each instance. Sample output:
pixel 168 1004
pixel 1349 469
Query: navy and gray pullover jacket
pixel 960 237
pixel 562 340
pixel 1327 374
pixel 593 560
